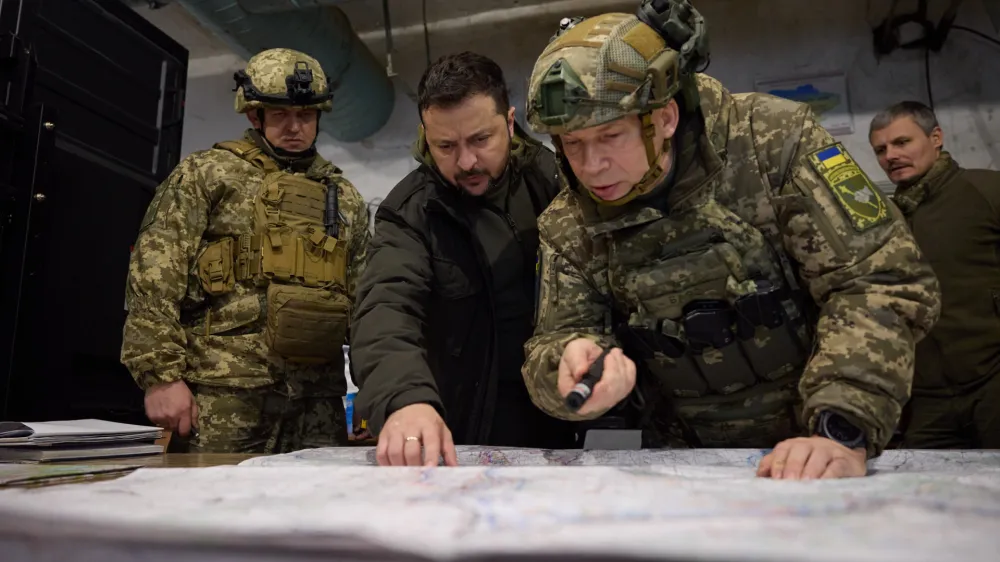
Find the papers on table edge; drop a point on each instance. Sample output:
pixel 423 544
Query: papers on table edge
pixel 46 434
pixel 75 440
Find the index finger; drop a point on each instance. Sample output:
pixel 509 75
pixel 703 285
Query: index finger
pixel 601 399
pixel 194 414
pixel 611 389
pixel 765 465
pixel 448 448
pixel 432 446
pixel 382 449
pixel 575 364
pixel 566 380
pixel 184 423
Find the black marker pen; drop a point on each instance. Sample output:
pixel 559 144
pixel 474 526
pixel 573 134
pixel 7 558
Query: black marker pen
pixel 583 389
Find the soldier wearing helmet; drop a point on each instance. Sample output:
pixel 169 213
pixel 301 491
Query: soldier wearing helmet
pixel 240 288
pixel 751 286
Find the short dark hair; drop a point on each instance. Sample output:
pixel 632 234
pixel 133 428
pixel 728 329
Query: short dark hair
pixel 922 115
pixel 454 78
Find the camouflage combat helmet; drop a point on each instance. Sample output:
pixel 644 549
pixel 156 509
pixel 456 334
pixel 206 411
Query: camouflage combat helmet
pixel 600 69
pixel 282 77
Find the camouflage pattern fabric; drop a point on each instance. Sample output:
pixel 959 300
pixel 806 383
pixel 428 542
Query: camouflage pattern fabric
pixel 268 71
pixel 608 67
pixel 174 330
pixel 619 41
pixel 765 176
pixel 280 418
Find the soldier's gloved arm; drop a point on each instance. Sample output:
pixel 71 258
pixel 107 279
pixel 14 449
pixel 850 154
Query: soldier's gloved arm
pixel 388 350
pixel 567 307
pixel 153 346
pixel 877 295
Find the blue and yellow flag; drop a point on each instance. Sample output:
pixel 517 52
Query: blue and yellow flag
pixel 861 201
pixel 831 157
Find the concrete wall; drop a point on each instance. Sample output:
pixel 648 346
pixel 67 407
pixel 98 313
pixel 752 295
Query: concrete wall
pixel 751 40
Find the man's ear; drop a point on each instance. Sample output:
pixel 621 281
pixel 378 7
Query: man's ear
pixel 668 118
pixel 510 121
pixel 937 138
pixel 254 120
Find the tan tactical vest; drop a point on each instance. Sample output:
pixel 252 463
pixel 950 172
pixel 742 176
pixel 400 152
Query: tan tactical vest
pixel 295 252
pixel 711 319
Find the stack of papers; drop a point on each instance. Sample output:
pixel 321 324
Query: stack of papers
pixel 75 439
pixel 30 475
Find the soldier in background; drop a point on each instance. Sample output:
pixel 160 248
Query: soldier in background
pixel 954 214
pixel 744 262
pixel 240 289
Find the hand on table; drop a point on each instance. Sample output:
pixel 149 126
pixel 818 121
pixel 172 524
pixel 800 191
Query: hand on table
pixel 806 458
pixel 399 442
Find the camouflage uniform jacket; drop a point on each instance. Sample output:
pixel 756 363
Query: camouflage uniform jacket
pixel 174 330
pixel 749 176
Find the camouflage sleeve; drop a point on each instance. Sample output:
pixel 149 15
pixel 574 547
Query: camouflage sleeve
pixel 154 342
pixel 357 246
pixel 567 307
pixel 876 293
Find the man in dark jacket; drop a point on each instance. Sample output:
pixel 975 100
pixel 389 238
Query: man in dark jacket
pixel 955 216
pixel 448 298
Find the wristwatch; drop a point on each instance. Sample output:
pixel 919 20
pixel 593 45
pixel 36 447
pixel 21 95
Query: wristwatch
pixel 836 427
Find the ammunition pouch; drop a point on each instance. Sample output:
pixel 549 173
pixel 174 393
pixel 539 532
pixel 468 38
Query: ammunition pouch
pixel 314 261
pixel 215 267
pixel 718 347
pixel 289 213
pixel 720 354
pixel 298 251
pixel 306 324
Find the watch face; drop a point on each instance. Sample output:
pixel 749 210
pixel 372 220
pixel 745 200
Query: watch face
pixel 841 430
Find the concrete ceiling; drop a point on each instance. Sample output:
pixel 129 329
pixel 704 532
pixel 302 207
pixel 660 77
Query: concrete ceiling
pixel 179 24
pixel 444 17
pixel 366 15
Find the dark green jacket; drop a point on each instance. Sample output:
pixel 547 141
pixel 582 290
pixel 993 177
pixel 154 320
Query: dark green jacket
pixel 955 216
pixel 424 329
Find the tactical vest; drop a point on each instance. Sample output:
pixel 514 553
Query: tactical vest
pixel 712 321
pixel 296 253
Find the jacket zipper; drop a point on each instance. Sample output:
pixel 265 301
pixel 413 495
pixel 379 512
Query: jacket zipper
pixel 479 429
pixel 513 227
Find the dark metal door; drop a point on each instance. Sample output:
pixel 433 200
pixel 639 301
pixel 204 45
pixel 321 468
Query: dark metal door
pixel 97 128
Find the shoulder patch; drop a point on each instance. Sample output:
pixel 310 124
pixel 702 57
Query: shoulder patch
pixel 861 201
pixel 154 206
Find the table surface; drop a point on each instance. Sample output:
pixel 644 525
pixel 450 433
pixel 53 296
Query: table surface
pixel 171 460
pixel 505 503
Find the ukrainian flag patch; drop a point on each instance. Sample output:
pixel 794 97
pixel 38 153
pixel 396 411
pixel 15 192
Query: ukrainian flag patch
pixel 861 201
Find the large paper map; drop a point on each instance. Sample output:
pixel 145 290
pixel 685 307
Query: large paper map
pixel 891 461
pixel 676 505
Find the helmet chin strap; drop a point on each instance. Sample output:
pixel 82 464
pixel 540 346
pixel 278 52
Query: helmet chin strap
pixel 652 176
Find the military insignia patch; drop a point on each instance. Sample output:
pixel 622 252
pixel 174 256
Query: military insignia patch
pixel 152 209
pixel 861 200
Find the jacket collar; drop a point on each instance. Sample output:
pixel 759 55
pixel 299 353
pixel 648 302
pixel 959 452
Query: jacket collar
pixel 909 196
